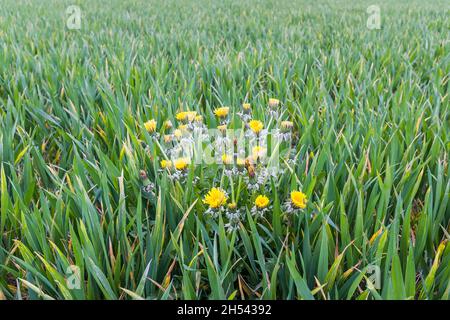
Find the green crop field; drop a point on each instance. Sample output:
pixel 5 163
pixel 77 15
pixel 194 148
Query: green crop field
pixel 350 201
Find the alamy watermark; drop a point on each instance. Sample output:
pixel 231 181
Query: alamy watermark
pixel 73 21
pixel 227 146
pixel 374 18
pixel 373 277
pixel 73 280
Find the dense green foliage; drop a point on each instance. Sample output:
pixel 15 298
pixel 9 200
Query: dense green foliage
pixel 371 116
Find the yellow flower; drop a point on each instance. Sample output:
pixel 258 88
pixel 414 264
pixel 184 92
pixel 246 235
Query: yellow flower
pixel 261 201
pixel 240 162
pixel 150 125
pixel 198 118
pixel 222 112
pixel 180 116
pixel 232 205
pixel 168 124
pixel 183 127
pixel 227 159
pixel 256 126
pixel 181 163
pixel 298 199
pixel 191 115
pixel 177 133
pixel 273 102
pixel 287 125
pixel 258 152
pixel 215 198
pixel 167 138
pixel 183 115
pixel 165 164
pixel 222 128
pixel 246 106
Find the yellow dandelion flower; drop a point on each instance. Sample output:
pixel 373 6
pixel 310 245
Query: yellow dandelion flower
pixel 177 133
pixel 222 112
pixel 165 164
pixel 227 159
pixel 167 138
pixel 222 128
pixel 181 163
pixel 186 115
pixel 150 125
pixel 199 118
pixel 287 125
pixel 240 162
pixel 183 127
pixel 298 199
pixel 273 102
pixel 215 198
pixel 256 126
pixel 232 205
pixel 261 201
pixel 180 116
pixel 246 106
pixel 168 124
pixel 191 115
pixel 258 152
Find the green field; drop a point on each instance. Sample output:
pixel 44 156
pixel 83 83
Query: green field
pixel 87 210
